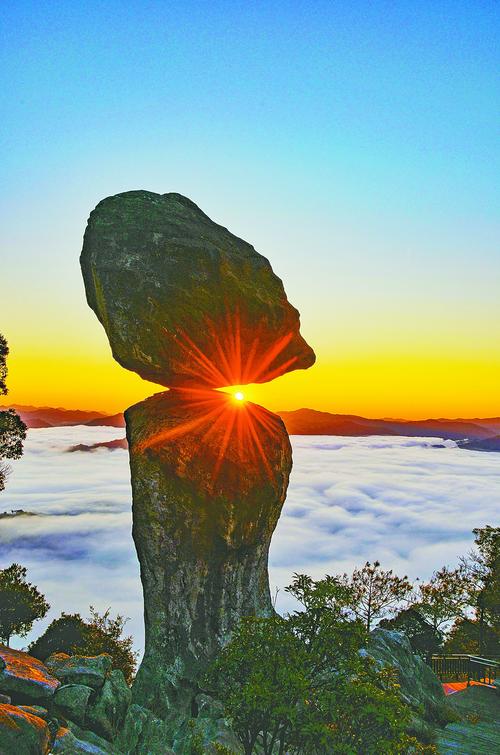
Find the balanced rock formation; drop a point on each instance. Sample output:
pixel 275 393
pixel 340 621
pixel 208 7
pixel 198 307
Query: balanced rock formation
pixel 209 478
pixel 182 300
pixel 190 306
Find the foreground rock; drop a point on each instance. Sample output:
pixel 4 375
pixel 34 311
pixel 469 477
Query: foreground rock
pixel 206 499
pixel 92 671
pixel 25 678
pixel 182 300
pixel 419 686
pixel 22 733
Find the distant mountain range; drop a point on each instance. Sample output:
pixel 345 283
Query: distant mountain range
pixel 304 422
pixel 47 416
pixel 312 422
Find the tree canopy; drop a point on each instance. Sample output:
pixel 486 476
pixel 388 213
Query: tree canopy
pixel 375 592
pixel 100 633
pixel 12 428
pixel 21 603
pixel 298 684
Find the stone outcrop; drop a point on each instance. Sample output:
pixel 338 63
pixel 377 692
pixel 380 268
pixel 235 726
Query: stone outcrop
pixel 419 686
pixel 22 733
pixel 24 677
pixel 190 306
pixel 92 671
pixel 184 301
pixel 206 499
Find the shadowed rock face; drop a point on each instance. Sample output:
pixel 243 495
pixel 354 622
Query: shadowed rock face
pixel 209 479
pixel 182 300
pixel 190 306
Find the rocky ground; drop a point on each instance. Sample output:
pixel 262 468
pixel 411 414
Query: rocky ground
pixel 78 704
pixel 478 730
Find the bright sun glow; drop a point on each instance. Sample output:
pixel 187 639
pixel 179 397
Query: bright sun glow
pixel 239 396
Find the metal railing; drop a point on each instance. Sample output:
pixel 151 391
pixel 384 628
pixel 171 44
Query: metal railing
pixel 465 668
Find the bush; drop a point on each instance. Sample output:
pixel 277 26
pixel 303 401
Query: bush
pixel 299 684
pixel 99 634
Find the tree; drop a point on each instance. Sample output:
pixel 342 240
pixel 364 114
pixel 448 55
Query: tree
pixel 21 604
pixel 4 353
pixel 99 634
pixel 482 572
pixel 424 638
pixel 463 637
pixel 299 684
pixel 444 597
pixel 375 591
pixel 12 428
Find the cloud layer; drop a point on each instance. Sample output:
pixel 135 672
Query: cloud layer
pixel 405 501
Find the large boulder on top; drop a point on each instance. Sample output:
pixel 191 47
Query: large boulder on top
pixel 91 671
pixel 183 301
pixel 209 478
pixel 22 733
pixel 24 678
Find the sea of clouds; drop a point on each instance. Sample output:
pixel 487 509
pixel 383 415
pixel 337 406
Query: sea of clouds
pixel 410 503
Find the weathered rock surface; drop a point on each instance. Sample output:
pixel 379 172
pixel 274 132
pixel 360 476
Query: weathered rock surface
pixel 22 733
pixel 143 733
pixel 420 688
pixel 182 300
pixel 105 715
pixel 25 678
pixel 91 671
pixel 209 731
pixel 209 477
pixel 72 701
pixel 66 743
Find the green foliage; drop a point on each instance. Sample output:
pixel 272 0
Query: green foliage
pixel 424 638
pixel 463 637
pixel 62 635
pixel 99 634
pixel 12 428
pixel 299 684
pixel 444 597
pixel 375 592
pixel 21 604
pixel 12 434
pixel 4 352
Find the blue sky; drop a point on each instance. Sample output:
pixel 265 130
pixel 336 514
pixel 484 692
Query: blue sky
pixel 355 144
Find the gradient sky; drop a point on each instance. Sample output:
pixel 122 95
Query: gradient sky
pixel 354 144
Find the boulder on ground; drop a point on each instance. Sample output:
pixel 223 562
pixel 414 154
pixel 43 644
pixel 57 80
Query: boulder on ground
pixel 66 743
pixel 92 738
pixel 419 686
pixel 143 733
pixel 24 678
pixel 106 713
pixel 35 710
pixel 182 300
pixel 22 733
pixel 72 701
pixel 91 671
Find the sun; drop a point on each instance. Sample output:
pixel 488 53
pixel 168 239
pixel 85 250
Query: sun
pixel 239 396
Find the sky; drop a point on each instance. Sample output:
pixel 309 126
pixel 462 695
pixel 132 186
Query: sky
pixel 353 144
pixel 412 503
